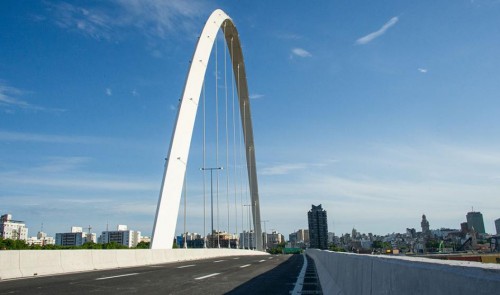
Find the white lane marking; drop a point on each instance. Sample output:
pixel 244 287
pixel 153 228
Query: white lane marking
pixel 262 260
pixel 270 258
pixel 219 261
pixel 236 258
pixel 125 275
pixel 245 265
pixel 207 276
pixel 184 266
pixel 300 279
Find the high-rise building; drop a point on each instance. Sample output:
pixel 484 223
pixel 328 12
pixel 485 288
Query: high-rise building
pixel 318 227
pixel 497 226
pixel 475 219
pixel 12 229
pixel 425 226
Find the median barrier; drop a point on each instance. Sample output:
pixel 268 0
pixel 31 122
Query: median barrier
pixel 348 273
pixel 9 264
pixel 39 262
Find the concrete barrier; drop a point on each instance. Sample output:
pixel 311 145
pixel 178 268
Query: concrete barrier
pixel 34 263
pixel 76 260
pixel 348 273
pixel 9 264
pixel 104 259
pixel 27 263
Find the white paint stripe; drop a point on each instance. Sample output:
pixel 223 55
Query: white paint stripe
pixel 270 258
pixel 184 266
pixel 219 261
pixel 207 276
pixel 300 280
pixel 262 260
pixel 236 258
pixel 245 265
pixel 125 275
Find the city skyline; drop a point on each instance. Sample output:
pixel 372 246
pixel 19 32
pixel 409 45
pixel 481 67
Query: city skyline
pixel 391 110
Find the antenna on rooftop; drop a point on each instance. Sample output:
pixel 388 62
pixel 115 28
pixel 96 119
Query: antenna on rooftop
pixel 89 228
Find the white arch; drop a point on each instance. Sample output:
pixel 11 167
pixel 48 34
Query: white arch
pixel 173 178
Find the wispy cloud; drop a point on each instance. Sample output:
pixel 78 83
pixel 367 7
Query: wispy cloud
pixel 256 96
pixel 153 18
pixel 109 92
pixel 289 36
pixel 48 138
pixel 282 169
pixel 300 52
pixel 10 98
pixel 422 70
pixel 372 36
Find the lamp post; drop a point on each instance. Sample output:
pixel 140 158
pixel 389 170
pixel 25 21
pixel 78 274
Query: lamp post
pixel 212 199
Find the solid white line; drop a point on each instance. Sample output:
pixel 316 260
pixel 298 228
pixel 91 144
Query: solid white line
pixel 207 276
pixel 300 280
pixel 125 275
pixel 185 266
pixel 262 260
pixel 219 261
pixel 245 265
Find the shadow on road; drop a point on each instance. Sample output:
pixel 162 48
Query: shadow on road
pixel 279 280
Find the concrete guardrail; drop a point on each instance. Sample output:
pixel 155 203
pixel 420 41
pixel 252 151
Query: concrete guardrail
pixel 29 263
pixel 349 273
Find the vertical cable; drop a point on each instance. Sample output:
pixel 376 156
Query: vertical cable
pixel 203 171
pixel 227 137
pixel 234 139
pixel 217 135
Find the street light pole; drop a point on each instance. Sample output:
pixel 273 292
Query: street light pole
pixel 212 200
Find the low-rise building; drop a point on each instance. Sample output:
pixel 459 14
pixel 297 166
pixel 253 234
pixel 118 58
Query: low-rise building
pixel 122 236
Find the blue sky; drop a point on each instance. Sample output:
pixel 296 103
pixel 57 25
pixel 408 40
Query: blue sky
pixel 381 111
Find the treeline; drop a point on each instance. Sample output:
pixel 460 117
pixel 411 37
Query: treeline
pixel 9 244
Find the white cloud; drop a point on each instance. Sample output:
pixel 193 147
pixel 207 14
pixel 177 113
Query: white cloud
pixel 109 92
pixel 48 138
pixel 370 37
pixel 300 52
pixel 422 70
pixel 282 169
pixel 256 96
pixel 9 98
pixel 153 18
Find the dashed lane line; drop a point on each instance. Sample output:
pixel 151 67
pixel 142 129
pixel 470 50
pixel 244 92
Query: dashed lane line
pixel 246 265
pixel 262 260
pixel 207 276
pixel 184 266
pixel 219 261
pixel 119 276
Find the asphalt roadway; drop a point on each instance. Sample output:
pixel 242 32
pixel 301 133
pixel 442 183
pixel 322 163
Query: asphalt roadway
pixel 266 274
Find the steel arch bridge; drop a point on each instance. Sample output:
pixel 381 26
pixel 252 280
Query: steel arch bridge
pixel 174 174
